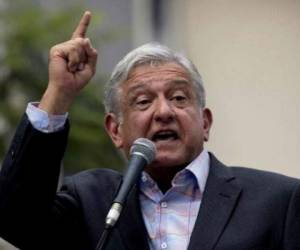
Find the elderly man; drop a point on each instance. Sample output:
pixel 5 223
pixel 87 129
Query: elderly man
pixel 184 199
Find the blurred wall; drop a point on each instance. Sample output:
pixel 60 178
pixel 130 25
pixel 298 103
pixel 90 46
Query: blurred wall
pixel 248 54
pixel 249 57
pixel 4 245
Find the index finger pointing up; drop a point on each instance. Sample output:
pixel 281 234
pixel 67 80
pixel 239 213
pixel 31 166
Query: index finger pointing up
pixel 82 27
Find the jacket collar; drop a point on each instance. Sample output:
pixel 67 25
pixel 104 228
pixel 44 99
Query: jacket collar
pixel 220 198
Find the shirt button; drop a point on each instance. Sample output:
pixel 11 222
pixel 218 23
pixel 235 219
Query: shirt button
pixel 144 178
pixel 164 245
pixel 12 153
pixel 164 204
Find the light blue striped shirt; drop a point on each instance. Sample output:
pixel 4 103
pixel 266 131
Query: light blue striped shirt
pixel 170 217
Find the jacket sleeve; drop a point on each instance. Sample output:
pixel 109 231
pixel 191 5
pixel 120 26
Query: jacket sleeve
pixel 28 183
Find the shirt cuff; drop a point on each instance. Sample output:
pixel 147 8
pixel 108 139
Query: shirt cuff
pixel 43 121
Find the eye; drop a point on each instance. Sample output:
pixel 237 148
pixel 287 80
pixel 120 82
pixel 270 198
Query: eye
pixel 143 103
pixel 179 99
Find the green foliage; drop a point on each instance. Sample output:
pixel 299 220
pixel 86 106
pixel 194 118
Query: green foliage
pixel 26 35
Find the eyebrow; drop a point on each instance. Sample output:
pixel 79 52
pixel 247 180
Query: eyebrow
pixel 180 82
pixel 143 85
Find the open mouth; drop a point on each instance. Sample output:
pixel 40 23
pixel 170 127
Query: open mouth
pixel 165 136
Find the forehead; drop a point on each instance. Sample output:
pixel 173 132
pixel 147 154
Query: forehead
pixel 166 73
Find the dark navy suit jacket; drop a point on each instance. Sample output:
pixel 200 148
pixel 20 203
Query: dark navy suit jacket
pixel 242 209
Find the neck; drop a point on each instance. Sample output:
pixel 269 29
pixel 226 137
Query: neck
pixel 164 176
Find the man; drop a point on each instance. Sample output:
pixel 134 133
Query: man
pixel 185 199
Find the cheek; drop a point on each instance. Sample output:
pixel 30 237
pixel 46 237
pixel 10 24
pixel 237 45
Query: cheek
pixel 137 123
pixel 192 125
pixel 191 118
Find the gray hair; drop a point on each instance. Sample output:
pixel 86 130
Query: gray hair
pixel 151 53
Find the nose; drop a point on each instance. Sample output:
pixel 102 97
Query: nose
pixel 164 111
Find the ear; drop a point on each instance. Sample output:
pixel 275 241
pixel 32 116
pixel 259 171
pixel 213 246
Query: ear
pixel 207 122
pixel 112 126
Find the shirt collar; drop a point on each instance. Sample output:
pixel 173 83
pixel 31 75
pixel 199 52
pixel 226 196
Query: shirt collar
pixel 199 167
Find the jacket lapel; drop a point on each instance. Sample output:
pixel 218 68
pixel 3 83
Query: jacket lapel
pixel 131 225
pixel 219 200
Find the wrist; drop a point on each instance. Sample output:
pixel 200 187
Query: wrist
pixel 56 101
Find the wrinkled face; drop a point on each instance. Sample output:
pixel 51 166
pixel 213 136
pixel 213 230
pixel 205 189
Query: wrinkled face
pixel 159 103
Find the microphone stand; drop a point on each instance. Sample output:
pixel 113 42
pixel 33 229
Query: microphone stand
pixel 103 239
pixel 110 221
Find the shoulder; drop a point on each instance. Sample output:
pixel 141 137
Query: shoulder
pixel 95 176
pixel 264 187
pixel 253 179
pixel 93 181
pixel 263 178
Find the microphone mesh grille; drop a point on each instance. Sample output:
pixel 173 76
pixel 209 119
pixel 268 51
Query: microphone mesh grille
pixel 144 147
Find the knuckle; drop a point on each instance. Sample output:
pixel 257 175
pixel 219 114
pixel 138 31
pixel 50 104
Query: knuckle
pixel 79 40
pixel 54 49
pixel 73 49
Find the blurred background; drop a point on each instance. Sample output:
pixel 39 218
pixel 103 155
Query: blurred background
pixel 247 52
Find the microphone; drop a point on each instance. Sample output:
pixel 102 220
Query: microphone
pixel 142 153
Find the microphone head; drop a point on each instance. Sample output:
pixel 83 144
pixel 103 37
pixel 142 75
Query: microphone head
pixel 145 148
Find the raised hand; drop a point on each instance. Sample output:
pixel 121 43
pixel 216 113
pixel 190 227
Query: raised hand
pixel 71 66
